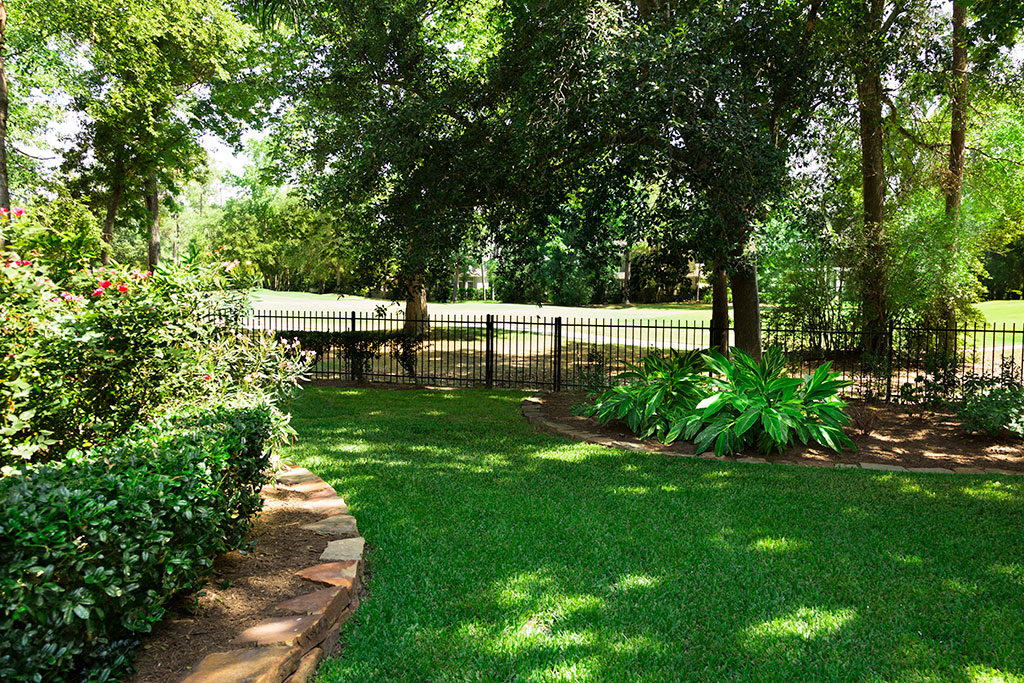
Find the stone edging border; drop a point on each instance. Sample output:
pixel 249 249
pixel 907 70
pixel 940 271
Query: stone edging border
pixel 287 646
pixel 531 409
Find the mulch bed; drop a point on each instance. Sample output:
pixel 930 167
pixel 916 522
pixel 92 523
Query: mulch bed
pixel 237 595
pixel 893 436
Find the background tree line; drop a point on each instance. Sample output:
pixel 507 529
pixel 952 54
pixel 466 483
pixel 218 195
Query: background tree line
pixel 853 162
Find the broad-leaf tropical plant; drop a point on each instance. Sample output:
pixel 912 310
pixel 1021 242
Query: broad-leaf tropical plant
pixel 755 403
pixel 657 392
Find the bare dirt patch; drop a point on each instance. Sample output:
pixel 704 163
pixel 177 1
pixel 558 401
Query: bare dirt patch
pixel 895 437
pixel 239 593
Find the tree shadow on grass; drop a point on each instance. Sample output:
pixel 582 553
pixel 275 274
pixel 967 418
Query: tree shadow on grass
pixel 504 554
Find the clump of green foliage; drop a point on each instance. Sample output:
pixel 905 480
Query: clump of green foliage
pixel 89 353
pixel 742 403
pixel 658 391
pixel 360 348
pixel 92 547
pixel 755 404
pixel 993 405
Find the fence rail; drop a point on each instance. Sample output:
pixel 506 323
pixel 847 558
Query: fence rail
pixel 584 353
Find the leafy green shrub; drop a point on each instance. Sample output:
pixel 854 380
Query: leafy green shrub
pixel 659 391
pixel 360 348
pixel 993 405
pixel 86 359
pixel 756 404
pixel 91 548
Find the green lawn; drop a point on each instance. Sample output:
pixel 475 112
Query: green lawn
pixel 500 554
pixel 1003 312
pixel 999 312
pixel 267 300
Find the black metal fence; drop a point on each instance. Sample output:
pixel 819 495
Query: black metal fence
pixel 586 354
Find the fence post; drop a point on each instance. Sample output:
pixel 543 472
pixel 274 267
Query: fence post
pixel 558 354
pixel 352 325
pixel 489 357
pixel 888 364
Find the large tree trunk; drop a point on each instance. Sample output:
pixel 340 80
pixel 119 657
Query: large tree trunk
pixel 746 307
pixel 5 190
pixel 416 316
pixel 958 106
pixel 872 258
pixel 153 206
pixel 113 202
pixel 719 308
pixel 952 186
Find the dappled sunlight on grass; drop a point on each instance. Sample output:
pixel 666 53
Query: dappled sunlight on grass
pixel 502 553
pixel 801 625
pixel 990 490
pixel 1014 572
pixel 983 674
pixel 776 545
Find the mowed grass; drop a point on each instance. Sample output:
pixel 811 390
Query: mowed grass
pixel 501 554
pixel 267 300
pixel 1003 313
pixel 995 312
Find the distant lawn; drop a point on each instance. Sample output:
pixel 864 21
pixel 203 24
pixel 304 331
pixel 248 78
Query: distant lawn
pixel 501 554
pixel 1004 313
pixel 267 300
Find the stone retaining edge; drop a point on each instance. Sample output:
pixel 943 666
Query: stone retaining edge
pixel 287 648
pixel 531 409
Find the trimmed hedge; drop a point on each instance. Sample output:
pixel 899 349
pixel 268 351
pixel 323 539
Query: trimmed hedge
pixel 92 548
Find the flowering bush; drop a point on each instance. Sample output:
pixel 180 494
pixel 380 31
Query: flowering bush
pixel 87 360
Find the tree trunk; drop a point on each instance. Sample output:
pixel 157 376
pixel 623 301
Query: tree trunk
pixel 5 190
pixel 455 285
pixel 958 106
pixel 952 187
pixel 719 308
pixel 416 316
pixel 746 308
pixel 153 206
pixel 874 301
pixel 113 202
pixel 483 275
pixel 626 271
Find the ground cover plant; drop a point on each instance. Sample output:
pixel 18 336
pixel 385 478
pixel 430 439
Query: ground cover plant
pixel 500 553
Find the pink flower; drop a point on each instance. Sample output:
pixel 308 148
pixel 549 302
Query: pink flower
pixel 122 288
pixel 3 211
pixel 207 377
pixel 97 292
pixel 18 212
pixel 105 284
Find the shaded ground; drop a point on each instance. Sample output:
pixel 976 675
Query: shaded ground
pixel 507 554
pixel 236 596
pixel 883 433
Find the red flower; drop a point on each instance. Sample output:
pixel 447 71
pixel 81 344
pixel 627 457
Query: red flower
pixel 207 377
pixel 122 287
pixel 105 284
pixel 97 292
pixel 18 212
pixel 3 211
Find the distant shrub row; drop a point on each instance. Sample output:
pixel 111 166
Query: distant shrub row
pixel 92 547
pixel 360 348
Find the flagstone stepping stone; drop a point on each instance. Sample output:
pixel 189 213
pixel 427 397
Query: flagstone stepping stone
pixel 316 602
pixel 344 549
pixel 253 665
pixel 338 526
pixel 333 573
